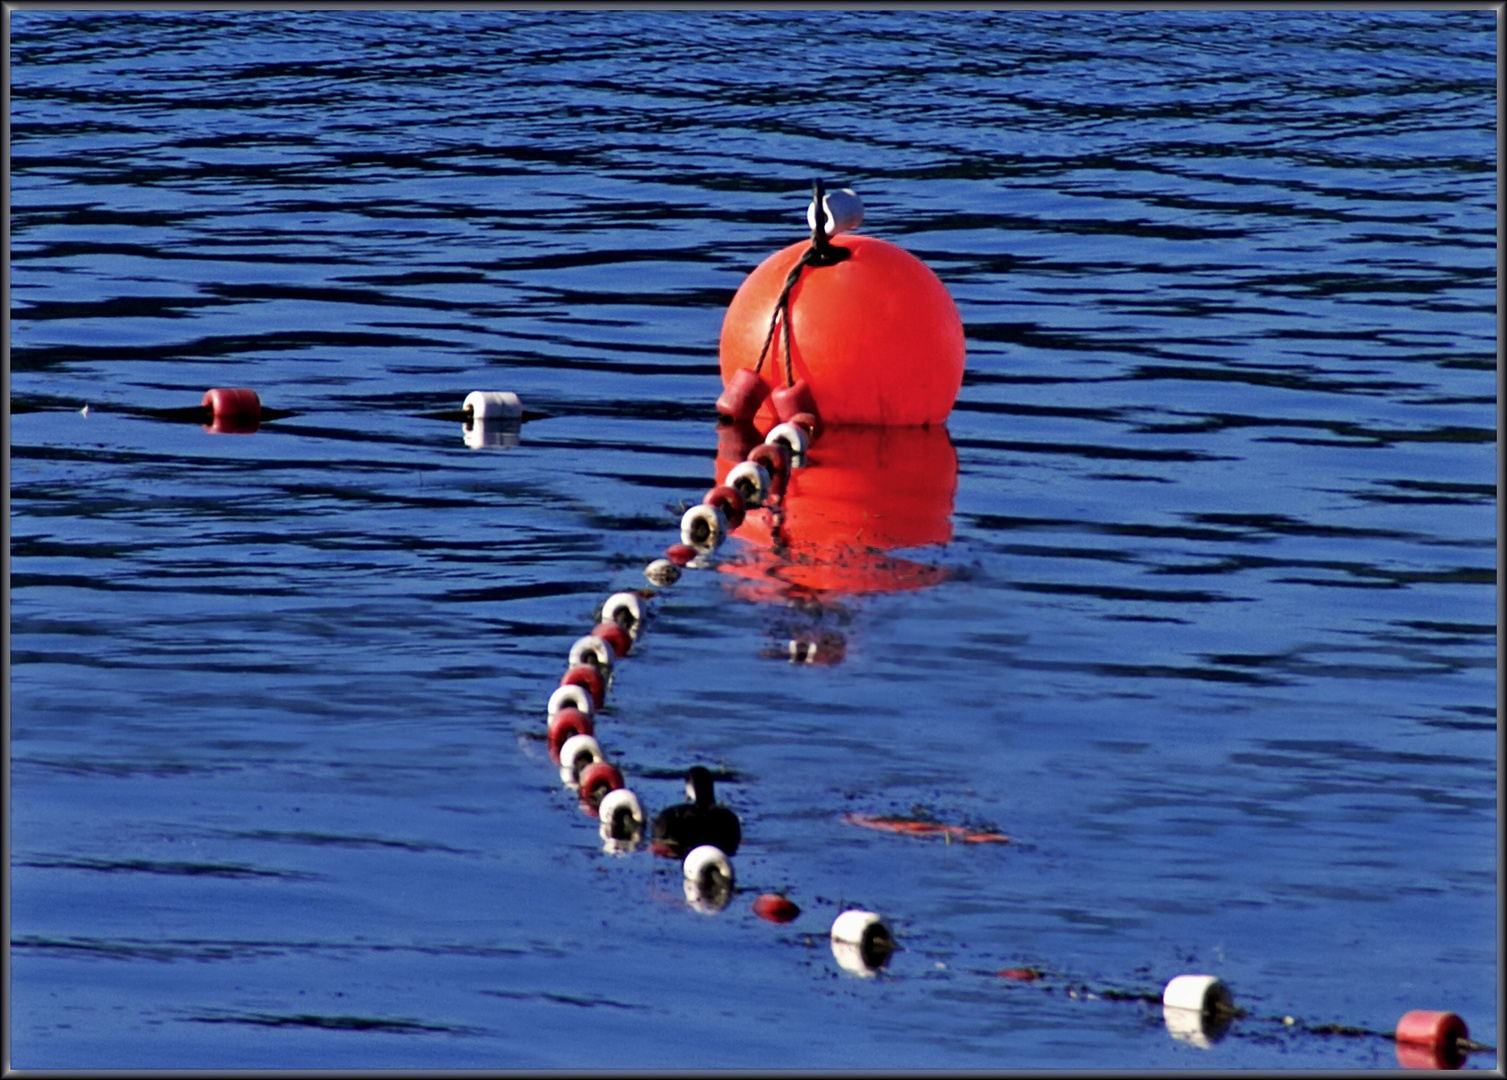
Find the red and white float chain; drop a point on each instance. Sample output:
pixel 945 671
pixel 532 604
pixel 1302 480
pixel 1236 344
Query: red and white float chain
pixel 1196 1008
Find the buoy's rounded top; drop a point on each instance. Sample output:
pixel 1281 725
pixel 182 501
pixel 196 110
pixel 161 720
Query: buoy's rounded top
pixel 876 337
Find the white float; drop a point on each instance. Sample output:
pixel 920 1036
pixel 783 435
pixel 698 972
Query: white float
pixel 621 816
pixel 792 436
pixel 592 650
pixel 662 572
pixel 861 942
pixel 708 878
pixel 1197 1009
pixel 578 752
pixel 493 405
pixel 751 480
pixel 624 609
pixel 703 527
pixel 572 696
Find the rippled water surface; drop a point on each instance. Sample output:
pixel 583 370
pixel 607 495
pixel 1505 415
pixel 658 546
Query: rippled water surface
pixel 1198 606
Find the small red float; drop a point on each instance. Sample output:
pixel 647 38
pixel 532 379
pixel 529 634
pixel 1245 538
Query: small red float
pixel 232 412
pixel 776 462
pixel 809 422
pixel 563 725
pixel 793 399
pixel 742 396
pixel 680 554
pixel 589 679
pixel 597 779
pixel 876 336
pixel 730 501
pixel 613 635
pixel 774 908
pixel 1427 1039
pixel 237 402
pixel 1020 974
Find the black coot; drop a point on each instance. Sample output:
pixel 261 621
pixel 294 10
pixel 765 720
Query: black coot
pixel 697 821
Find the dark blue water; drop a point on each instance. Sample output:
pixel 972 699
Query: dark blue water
pixel 1213 639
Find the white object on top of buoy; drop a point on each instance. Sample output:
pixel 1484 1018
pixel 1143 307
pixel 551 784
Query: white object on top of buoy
pixel 844 211
pixel 493 405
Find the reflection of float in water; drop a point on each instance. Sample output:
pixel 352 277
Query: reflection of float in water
pixel 482 434
pixel 864 491
pixel 234 424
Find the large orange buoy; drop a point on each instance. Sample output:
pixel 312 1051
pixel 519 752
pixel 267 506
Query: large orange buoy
pixel 876 337
pixel 866 491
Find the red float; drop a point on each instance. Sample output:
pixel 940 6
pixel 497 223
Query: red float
pixel 563 725
pixel 680 554
pixel 236 402
pixel 613 635
pixel 589 679
pixel 810 422
pixel 730 501
pixel 232 412
pixel 776 462
pixel 775 908
pixel 1427 1039
pixel 788 401
pixel 742 396
pixel 875 337
pixel 597 779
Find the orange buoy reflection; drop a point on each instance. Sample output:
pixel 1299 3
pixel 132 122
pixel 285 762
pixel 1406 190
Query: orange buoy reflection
pixel 864 492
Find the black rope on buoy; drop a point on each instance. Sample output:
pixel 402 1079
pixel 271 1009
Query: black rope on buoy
pixel 822 252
